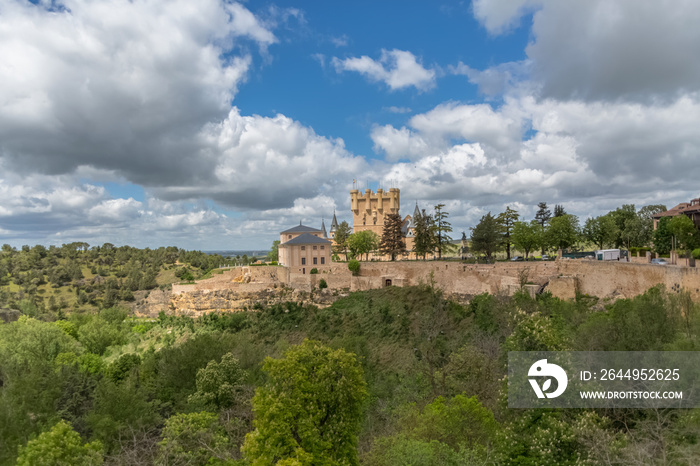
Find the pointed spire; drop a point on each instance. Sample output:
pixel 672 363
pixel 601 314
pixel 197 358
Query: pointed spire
pixel 323 229
pixel 334 223
pixel 416 212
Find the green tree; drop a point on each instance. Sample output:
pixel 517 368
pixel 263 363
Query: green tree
pixel 487 237
pixel 684 232
pixel 662 236
pixel 392 242
pixel 602 230
pixel 341 238
pixel 194 438
pixel 628 225
pixel 423 230
pixel 441 227
pixel 363 242
pixel 542 217
pixel 60 446
pixel 559 210
pixel 563 232
pixel 273 255
pixel 309 410
pixel 219 384
pixel 527 236
pixel 506 220
pixel 354 266
pixel 645 215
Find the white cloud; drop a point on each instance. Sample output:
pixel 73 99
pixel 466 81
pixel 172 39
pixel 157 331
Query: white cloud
pixel 122 86
pixel 606 49
pixel 398 69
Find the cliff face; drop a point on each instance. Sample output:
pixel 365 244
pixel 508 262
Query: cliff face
pixel 242 288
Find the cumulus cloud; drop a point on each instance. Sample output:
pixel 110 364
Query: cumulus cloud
pixel 398 69
pixel 264 162
pixel 121 86
pixel 606 49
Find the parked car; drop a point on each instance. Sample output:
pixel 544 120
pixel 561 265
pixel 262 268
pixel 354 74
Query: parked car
pixel 545 257
pixel 517 258
pixel 659 261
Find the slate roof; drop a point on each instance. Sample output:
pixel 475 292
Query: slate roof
pixel 302 229
pixel 306 238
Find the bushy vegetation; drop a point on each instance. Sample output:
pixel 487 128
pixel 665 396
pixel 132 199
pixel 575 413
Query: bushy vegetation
pixel 389 376
pixel 46 283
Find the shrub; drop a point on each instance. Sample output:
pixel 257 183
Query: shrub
pixel 354 266
pixel 322 284
pixel 696 253
pixel 314 271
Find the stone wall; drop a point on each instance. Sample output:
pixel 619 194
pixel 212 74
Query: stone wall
pixel 240 287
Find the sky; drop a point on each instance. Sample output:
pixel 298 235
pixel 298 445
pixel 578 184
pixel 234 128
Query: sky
pixel 216 124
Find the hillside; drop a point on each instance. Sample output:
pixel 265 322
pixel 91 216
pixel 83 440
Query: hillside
pixel 434 372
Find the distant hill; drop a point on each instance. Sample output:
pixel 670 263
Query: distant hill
pixel 234 253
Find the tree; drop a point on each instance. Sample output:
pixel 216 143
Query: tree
pixel 194 438
pixel 487 237
pixel 559 210
pixel 663 236
pixel 563 232
pixel 684 232
pixel 601 230
pixel 363 242
pixel 273 255
pixel 542 216
pixel 60 446
pixel 392 237
pixel 309 410
pixel 627 225
pixel 441 227
pixel 645 215
pixel 219 384
pixel 527 236
pixel 341 238
pixel 423 230
pixel 506 220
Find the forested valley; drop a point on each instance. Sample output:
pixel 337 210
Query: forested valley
pixel 396 376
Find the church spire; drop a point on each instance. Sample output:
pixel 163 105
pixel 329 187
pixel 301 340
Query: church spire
pixel 323 229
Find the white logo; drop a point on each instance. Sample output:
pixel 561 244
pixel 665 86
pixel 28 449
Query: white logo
pixel 542 369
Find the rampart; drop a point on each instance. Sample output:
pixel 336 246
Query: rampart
pixel 240 287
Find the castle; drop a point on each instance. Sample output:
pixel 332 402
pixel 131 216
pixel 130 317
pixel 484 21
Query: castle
pixel 302 247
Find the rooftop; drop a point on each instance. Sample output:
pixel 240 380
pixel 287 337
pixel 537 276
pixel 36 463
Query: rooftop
pixel 302 229
pixel 306 238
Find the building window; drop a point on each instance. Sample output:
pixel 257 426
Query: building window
pixel 322 248
pixel 303 261
pixel 315 260
pixel 315 248
pixel 323 260
pixel 303 248
pixel 289 236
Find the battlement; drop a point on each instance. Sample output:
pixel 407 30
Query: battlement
pixel 369 208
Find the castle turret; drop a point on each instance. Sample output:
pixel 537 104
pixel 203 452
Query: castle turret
pixel 369 209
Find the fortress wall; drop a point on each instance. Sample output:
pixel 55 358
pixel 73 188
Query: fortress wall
pixel 563 278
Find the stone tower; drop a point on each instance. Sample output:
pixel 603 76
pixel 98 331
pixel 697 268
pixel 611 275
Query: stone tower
pixel 370 209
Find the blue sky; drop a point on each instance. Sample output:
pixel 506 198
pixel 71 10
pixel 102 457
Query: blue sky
pixel 216 124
